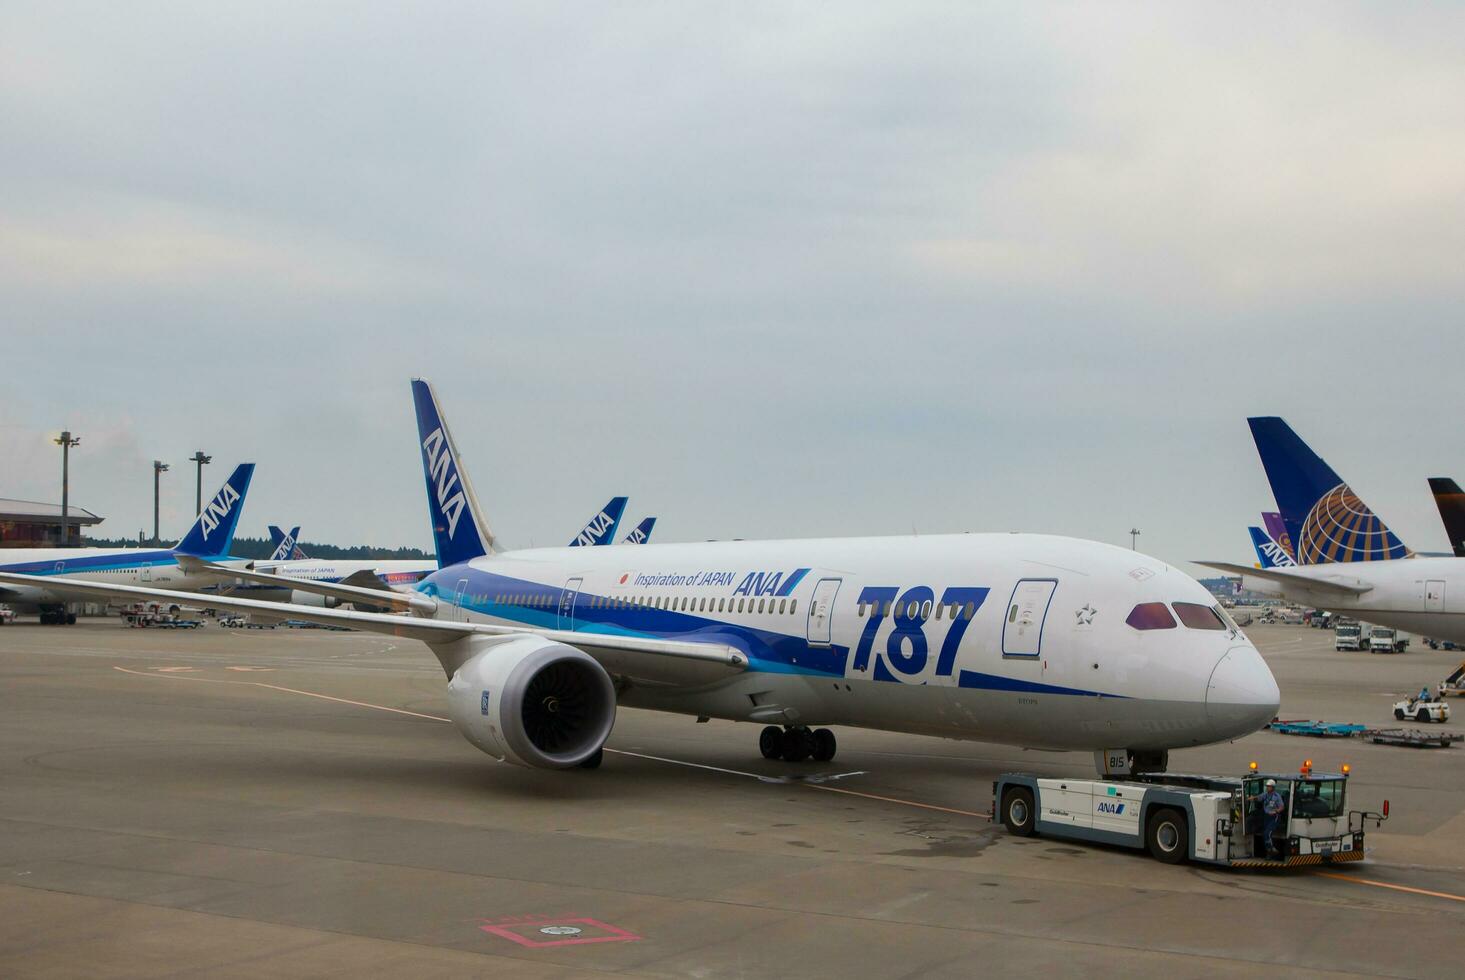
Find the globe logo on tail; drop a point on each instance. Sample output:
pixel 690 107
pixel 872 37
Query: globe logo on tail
pixel 1341 528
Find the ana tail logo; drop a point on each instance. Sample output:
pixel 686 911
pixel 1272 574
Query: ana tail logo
pixel 598 525
pixel 443 476
pixel 217 510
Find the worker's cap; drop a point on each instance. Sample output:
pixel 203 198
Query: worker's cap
pixel 1271 782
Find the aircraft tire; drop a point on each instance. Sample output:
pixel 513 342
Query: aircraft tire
pixel 1167 836
pixel 71 619
pixel 770 742
pixel 796 747
pixel 825 745
pixel 1019 815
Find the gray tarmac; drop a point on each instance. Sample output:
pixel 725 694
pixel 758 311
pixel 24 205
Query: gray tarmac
pixel 242 803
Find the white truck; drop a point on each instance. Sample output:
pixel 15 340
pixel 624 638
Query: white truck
pixel 1349 635
pixel 1386 639
pixel 7 615
pixel 1209 819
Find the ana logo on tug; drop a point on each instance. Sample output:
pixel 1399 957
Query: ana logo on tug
pixel 442 475
pixel 217 510
pixel 1114 808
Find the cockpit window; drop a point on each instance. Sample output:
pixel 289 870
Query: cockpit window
pixel 1198 617
pixel 1151 616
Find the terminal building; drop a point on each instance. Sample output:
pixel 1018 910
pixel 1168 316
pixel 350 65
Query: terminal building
pixel 28 524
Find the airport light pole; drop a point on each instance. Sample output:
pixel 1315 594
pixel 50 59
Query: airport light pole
pixel 1133 533
pixel 199 458
pixel 66 440
pixel 159 468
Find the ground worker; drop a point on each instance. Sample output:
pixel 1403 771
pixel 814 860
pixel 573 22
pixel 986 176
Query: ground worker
pixel 1272 806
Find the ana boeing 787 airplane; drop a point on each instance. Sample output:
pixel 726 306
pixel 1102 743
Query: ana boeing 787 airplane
pixel 47 571
pixel 1030 640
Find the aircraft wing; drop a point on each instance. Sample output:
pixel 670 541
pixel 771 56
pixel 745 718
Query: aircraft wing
pixel 672 662
pixel 1293 578
pixel 414 602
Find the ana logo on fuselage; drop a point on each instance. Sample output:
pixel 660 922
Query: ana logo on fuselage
pixel 442 476
pixel 217 510
pixel 769 583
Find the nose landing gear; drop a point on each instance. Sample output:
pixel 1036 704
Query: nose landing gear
pixel 797 743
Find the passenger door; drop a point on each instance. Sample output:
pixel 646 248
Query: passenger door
pixel 460 601
pixel 1434 595
pixel 821 611
pixel 1027 610
pixel 567 603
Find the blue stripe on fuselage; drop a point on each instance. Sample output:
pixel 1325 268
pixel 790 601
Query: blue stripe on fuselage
pixel 768 651
pixel 93 563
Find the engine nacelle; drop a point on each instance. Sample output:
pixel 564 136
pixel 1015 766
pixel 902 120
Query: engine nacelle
pixel 533 702
pixel 299 598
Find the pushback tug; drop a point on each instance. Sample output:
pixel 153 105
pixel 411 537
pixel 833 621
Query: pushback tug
pixel 1209 819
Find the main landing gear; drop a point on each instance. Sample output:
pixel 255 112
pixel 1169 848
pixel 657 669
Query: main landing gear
pixel 797 743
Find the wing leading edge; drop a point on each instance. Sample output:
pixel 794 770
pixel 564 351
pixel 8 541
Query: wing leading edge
pixel 669 662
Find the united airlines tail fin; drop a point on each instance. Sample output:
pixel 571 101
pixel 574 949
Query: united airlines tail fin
pixel 641 533
pixel 602 527
pixel 1269 554
pixel 1272 522
pixel 458 528
pixel 287 547
pixel 1451 501
pixel 212 533
pixel 1325 519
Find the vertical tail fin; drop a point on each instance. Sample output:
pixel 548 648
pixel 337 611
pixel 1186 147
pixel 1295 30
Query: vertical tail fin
pixel 641 533
pixel 212 533
pixel 286 546
pixel 1269 554
pixel 1451 501
pixel 602 527
pixel 1272 521
pixel 1325 519
pixel 458 528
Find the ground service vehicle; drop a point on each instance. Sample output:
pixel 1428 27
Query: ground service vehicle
pixel 7 615
pixel 1454 684
pixel 1210 819
pixel 1421 709
pixel 1386 639
pixel 1348 636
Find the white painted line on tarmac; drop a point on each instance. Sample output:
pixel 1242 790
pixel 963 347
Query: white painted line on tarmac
pixel 798 781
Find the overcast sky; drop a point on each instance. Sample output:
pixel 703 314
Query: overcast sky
pixel 771 270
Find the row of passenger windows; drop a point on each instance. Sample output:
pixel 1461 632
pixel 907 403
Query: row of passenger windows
pixel 773 606
pixel 918 610
pixel 1156 616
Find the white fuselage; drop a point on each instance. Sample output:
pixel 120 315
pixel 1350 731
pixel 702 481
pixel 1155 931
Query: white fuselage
pixel 150 567
pixel 1421 595
pixel 860 631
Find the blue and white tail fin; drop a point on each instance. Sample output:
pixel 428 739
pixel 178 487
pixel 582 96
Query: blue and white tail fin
pixel 602 527
pixel 641 533
pixel 286 545
pixel 459 530
pixel 1323 516
pixel 1269 554
pixel 212 534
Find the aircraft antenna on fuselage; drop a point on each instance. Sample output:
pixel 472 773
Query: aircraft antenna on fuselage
pixel 459 529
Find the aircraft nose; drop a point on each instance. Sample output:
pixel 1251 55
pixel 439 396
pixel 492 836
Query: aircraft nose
pixel 1242 694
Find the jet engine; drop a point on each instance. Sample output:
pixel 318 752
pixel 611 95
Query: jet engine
pixel 533 702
